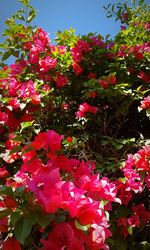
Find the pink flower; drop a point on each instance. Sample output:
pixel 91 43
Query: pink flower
pixel 3 118
pixel 14 103
pixel 33 56
pixel 13 87
pixel 18 67
pixel 77 69
pixel 147 181
pixel 47 64
pixel 134 221
pixel 147 26
pixel 41 39
pixel 84 108
pixel 61 80
pixel 145 103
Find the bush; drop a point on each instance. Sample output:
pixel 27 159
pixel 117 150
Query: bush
pixel 74 125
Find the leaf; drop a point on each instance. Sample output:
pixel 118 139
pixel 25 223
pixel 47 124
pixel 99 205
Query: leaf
pixel 25 2
pixel 81 227
pixel 4 213
pixel 141 2
pixel 22 229
pixel 16 149
pixel 14 217
pixel 31 16
pixel 43 220
pixel 20 17
pixel 25 125
pixel 130 230
pixel 6 55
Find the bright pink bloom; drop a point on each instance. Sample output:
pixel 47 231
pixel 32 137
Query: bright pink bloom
pixel 84 108
pixel 48 140
pixel 18 67
pixel 47 64
pixel 28 156
pixel 99 234
pixel 33 56
pixel 147 181
pixel 145 103
pixel 13 87
pixel 14 103
pixel 3 118
pixel 41 39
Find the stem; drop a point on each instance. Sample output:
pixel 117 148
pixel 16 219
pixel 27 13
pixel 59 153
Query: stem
pixel 26 15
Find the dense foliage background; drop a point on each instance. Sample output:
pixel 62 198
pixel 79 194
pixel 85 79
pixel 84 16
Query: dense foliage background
pixel 74 125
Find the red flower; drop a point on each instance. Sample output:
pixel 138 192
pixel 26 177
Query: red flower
pixel 3 173
pixel 91 75
pixel 11 244
pixel 10 202
pixel 48 140
pixel 61 80
pixel 3 223
pixel 77 69
pixel 70 139
pixel 103 83
pixel 61 237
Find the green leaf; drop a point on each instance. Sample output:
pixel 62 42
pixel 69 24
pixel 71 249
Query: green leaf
pixel 81 227
pixel 15 149
pixel 31 16
pixel 141 2
pixel 43 220
pixel 25 125
pixel 130 230
pixel 20 17
pixel 14 217
pixel 22 229
pixel 4 213
pixel 6 190
pixel 6 55
pixel 25 2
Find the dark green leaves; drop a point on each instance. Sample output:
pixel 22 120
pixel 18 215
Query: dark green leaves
pixel 22 229
pixel 31 15
pixel 25 2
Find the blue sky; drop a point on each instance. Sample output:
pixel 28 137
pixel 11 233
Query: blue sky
pixel 53 15
pixel 82 15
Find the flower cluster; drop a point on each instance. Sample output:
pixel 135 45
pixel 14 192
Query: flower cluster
pixel 69 115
